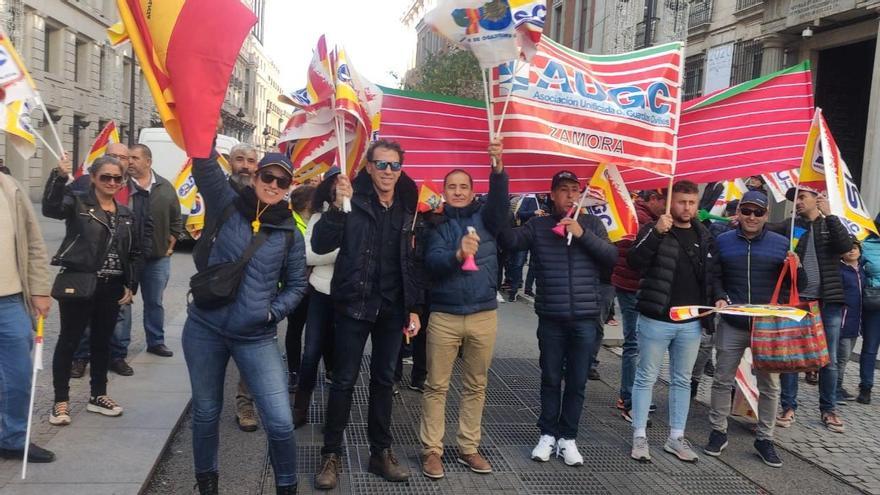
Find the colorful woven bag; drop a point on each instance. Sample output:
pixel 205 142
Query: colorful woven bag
pixel 781 345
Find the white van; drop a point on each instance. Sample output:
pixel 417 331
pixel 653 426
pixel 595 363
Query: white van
pixel 168 158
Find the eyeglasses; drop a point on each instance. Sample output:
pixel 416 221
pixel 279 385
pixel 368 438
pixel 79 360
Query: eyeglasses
pixel 395 166
pixel 283 182
pixel 753 212
pixel 107 178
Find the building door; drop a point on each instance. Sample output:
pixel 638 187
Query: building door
pixel 843 89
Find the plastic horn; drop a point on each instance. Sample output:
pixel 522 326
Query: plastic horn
pixel 560 229
pixel 469 264
pixel 704 215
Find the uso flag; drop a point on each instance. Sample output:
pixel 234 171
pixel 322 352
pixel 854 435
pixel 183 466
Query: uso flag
pixel 621 109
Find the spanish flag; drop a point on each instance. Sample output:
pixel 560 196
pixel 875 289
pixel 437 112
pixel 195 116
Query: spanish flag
pixel 187 50
pixel 429 199
pixel 109 134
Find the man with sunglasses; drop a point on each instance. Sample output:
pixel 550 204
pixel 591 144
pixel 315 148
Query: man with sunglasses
pixel 377 289
pixel 751 259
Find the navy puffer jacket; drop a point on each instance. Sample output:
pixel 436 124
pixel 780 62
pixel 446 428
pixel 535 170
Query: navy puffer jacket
pixel 750 269
pixel 455 291
pixel 259 304
pixel 567 276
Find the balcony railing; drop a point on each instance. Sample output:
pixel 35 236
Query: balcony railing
pixel 700 14
pixel 640 33
pixel 746 4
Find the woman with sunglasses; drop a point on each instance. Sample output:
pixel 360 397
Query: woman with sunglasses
pixel 99 248
pixel 272 284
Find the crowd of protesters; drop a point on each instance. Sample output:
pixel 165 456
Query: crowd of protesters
pixel 346 259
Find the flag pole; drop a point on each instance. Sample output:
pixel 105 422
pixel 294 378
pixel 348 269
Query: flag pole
pixel 45 144
pixel 343 167
pixel 38 365
pixel 42 105
pixel 486 94
pixel 577 212
pixel 509 93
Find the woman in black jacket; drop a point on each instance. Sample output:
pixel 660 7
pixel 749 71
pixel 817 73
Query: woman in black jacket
pixel 99 247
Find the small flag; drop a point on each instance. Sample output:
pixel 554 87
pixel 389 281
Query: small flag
pixel 15 116
pixel 528 20
pixel 185 187
pixel 615 207
pixel 485 27
pixel 429 199
pixel 195 221
pixel 17 92
pixel 733 190
pixel 780 182
pixel 108 135
pixel 360 104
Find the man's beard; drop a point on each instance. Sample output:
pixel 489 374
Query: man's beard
pixel 243 179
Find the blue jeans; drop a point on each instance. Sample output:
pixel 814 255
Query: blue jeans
pixel 350 338
pixel 832 314
pixel 515 262
pixel 318 341
pixel 655 338
pixel 564 346
pixel 870 343
pixel 262 368
pixel 629 316
pixel 16 340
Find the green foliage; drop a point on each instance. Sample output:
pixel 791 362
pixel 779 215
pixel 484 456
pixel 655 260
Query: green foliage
pixel 451 73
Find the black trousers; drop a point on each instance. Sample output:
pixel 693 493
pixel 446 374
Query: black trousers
pixel 98 313
pixel 296 322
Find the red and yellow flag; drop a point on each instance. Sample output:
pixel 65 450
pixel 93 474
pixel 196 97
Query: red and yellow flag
pixel 109 134
pixel 359 105
pixel 429 199
pixel 187 50
pixel 613 203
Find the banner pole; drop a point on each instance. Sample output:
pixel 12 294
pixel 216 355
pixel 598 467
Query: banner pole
pixel 577 212
pixel 487 95
pixel 343 167
pixel 509 93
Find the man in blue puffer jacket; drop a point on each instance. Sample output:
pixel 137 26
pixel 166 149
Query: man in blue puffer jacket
pixel 246 328
pixel 463 312
pixel 568 305
pixel 751 259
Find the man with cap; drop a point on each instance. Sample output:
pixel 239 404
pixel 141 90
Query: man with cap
pixel 751 259
pixel 822 240
pixel 568 303
pixel 255 218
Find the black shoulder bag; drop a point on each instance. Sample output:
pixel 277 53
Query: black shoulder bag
pixel 217 285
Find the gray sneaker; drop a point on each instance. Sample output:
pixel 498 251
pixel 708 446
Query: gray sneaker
pixel 640 450
pixel 681 448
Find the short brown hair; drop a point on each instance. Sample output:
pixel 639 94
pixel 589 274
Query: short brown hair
pixel 388 145
pixel 301 198
pixel 685 187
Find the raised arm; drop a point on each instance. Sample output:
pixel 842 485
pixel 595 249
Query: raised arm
pixel 212 183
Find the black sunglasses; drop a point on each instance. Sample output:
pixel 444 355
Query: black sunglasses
pixel 753 212
pixel 395 166
pixel 107 178
pixel 283 182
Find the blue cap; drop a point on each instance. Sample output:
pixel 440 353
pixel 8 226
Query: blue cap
pixel 756 198
pixel 277 159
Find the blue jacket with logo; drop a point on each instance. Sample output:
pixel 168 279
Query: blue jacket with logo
pixel 259 304
pixel 750 269
pixel 456 291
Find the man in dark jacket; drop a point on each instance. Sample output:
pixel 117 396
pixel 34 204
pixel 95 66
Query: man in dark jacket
pixel 568 305
pixel 679 262
pixel 463 312
pixel 650 204
pixel 822 240
pixel 156 209
pixel 751 259
pixel 378 289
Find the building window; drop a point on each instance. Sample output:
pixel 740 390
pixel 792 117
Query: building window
pixel 52 42
pixel 102 67
pixel 693 76
pixel 586 40
pixel 700 13
pixel 747 57
pixel 81 61
pixel 556 32
pixel 744 4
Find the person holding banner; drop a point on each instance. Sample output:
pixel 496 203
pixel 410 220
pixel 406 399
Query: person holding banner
pixel 821 239
pixel 378 292
pixel 24 292
pixel 679 263
pixel 751 259
pixel 569 308
pixel 463 312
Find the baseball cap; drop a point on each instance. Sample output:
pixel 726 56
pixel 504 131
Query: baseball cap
pixel 563 175
pixel 756 198
pixel 731 207
pixel 789 195
pixel 278 160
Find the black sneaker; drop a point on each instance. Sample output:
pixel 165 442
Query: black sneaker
pixel 511 296
pixel 78 368
pixel 864 396
pixel 529 292
pixel 103 404
pixel 709 369
pixel 767 452
pixel 652 408
pixel 846 395
pixel 594 374
pixel 717 443
pixel 395 389
pixel 120 367
pixel 418 387
pixel 36 454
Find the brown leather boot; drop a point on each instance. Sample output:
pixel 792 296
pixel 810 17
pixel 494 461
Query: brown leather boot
pixel 432 466
pixel 301 402
pixel 386 465
pixel 325 479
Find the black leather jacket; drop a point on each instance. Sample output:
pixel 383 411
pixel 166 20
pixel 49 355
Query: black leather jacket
pixel 87 237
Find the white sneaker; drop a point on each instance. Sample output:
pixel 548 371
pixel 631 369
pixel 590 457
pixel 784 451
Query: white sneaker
pixel 568 450
pixel 544 449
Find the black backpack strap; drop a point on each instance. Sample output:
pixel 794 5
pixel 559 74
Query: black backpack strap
pixel 203 247
pixel 255 244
